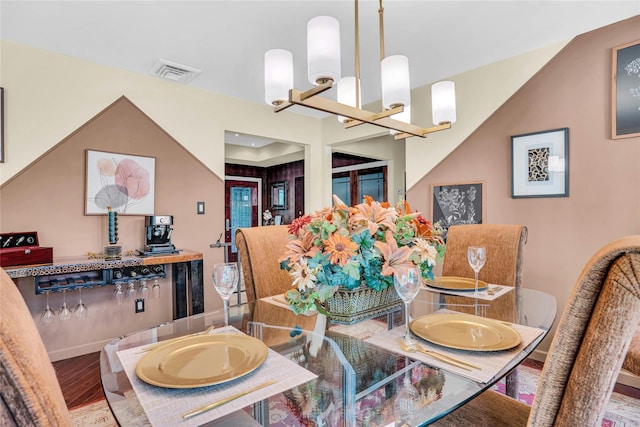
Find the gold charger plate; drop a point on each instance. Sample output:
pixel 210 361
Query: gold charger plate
pixel 201 360
pixel 452 283
pixel 465 332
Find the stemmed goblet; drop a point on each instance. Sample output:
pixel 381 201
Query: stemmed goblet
pixel 81 309
pixel 225 280
pixel 48 316
pixel 143 290
pixel 118 294
pixel 131 291
pixel 406 402
pixel 156 289
pixel 407 282
pixel 65 312
pixel 477 256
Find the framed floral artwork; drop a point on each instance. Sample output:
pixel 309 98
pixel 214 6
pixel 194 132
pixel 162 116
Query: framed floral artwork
pixel 625 91
pixel 457 203
pixel 122 182
pixel 540 164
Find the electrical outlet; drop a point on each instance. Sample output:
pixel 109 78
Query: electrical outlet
pixel 139 305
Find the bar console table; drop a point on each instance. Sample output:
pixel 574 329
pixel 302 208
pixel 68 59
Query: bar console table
pixel 72 273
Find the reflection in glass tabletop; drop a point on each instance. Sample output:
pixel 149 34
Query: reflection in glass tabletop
pixel 358 383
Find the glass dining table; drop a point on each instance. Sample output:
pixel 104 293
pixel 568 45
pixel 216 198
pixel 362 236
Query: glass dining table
pixel 359 374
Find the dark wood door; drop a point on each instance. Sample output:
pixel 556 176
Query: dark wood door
pixel 299 197
pixel 241 210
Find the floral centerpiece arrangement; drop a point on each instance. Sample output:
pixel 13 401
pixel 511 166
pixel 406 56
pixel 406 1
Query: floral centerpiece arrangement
pixel 356 246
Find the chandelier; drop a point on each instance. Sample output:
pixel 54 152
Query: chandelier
pixel 323 59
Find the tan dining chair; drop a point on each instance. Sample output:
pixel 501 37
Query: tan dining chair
pixel 586 353
pixel 259 249
pixel 30 394
pixel 505 252
pixel 632 359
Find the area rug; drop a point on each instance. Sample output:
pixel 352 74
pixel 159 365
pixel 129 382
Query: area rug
pixel 93 414
pixel 622 411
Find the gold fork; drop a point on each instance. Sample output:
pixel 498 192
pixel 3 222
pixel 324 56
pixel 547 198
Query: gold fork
pixel 441 357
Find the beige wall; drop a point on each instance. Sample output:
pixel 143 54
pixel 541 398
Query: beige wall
pixel 574 91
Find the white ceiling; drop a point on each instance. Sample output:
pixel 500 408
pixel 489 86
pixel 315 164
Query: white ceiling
pixel 227 39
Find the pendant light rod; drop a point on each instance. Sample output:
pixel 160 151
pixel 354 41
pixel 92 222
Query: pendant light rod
pixel 381 24
pixel 357 59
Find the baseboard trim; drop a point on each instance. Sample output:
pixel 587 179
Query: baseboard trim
pixel 69 352
pixel 624 377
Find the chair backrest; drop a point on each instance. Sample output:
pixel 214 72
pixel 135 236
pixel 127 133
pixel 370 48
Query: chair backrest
pixel 259 249
pixel 505 252
pixel 591 340
pixel 29 390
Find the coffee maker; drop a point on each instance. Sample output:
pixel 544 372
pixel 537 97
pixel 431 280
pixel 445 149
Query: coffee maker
pixel 158 235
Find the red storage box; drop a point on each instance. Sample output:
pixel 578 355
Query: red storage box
pixel 23 249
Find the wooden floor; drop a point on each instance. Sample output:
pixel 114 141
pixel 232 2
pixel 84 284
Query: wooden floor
pixel 79 379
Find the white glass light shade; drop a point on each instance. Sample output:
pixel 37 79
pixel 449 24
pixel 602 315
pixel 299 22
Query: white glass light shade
pixel 405 117
pixel 323 49
pixel 347 93
pixel 396 87
pixel 278 75
pixel 443 102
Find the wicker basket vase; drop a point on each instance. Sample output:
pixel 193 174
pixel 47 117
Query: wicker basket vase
pixel 349 306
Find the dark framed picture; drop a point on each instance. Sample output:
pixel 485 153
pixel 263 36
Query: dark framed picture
pixel 279 195
pixel 540 164
pixel 457 203
pixel 625 91
pixel 1 125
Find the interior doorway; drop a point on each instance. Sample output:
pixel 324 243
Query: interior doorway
pixel 243 203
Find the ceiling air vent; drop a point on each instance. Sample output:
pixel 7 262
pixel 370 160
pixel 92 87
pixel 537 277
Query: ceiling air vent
pixel 173 71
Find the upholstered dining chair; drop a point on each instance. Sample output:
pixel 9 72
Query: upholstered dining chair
pixel 586 353
pixel 505 252
pixel 30 394
pixel 632 359
pixel 258 251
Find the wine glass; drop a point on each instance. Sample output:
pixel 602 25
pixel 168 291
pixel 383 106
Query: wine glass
pixel 225 280
pixel 65 312
pixel 477 256
pixel 118 294
pixel 156 289
pixel 48 316
pixel 406 402
pixel 81 310
pixel 131 291
pixel 143 290
pixel 407 281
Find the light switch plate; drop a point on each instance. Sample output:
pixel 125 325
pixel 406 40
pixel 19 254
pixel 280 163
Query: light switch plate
pixel 139 305
pixel 200 208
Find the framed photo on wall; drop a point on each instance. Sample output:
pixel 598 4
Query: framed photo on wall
pixel 625 91
pixel 123 182
pixel 279 195
pixel 457 203
pixel 540 164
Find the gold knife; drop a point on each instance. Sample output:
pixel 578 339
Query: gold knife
pixel 226 400
pixel 455 359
